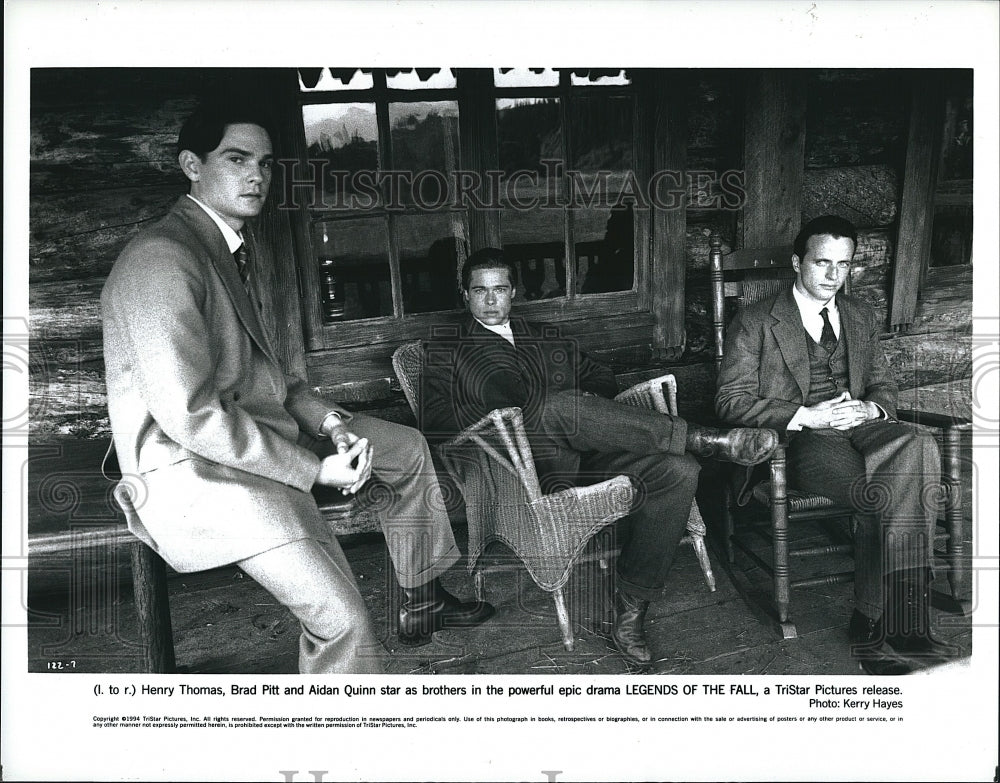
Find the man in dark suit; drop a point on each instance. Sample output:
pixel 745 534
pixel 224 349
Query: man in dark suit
pixel 576 431
pixel 226 447
pixel 808 362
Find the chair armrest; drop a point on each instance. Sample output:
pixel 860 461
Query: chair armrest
pixel 650 394
pixel 939 420
pixel 508 423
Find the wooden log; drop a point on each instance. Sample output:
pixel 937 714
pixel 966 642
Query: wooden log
pixel 865 195
pixel 925 359
pixel 945 302
pixel 79 235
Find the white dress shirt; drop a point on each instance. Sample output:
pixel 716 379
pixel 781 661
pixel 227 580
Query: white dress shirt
pixel 811 319
pixel 233 239
pixel 809 311
pixel 503 330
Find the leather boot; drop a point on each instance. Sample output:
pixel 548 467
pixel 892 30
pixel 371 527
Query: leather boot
pixel 627 634
pixel 429 608
pixel 744 446
pixel 909 626
pixel 868 645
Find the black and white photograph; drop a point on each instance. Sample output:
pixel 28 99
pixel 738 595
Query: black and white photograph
pixel 673 373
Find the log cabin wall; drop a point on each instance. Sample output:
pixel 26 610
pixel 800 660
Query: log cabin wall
pixel 103 166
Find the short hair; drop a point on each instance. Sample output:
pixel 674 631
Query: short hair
pixel 487 258
pixel 834 225
pixel 202 132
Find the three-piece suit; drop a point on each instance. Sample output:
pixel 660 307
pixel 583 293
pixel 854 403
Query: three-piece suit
pixel 225 445
pixel 885 470
pixel 576 432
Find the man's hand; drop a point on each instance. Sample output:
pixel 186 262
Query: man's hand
pixel 350 467
pixel 341 437
pixel 840 413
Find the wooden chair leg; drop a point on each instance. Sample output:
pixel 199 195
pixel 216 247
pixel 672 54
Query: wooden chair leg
pixel 779 532
pixel 952 474
pixel 698 542
pixel 480 582
pixel 563 616
pixel 728 525
pixel 149 585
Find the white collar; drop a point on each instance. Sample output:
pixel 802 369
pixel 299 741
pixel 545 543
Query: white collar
pixel 810 306
pixel 233 239
pixel 503 330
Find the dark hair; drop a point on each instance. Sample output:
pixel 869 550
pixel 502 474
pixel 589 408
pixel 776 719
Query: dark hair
pixel 202 132
pixel 833 225
pixel 487 258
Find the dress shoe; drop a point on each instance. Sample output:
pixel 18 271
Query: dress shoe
pixel 744 446
pixel 868 645
pixel 429 608
pixel 627 634
pixel 909 626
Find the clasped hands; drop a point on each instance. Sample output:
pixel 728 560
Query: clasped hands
pixel 351 466
pixel 840 413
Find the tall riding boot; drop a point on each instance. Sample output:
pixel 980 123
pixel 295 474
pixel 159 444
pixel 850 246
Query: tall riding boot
pixel 744 446
pixel 627 634
pixel 868 645
pixel 429 607
pixel 909 627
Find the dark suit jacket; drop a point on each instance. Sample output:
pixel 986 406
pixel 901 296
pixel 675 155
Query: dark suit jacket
pixel 764 376
pixel 470 371
pixel 204 420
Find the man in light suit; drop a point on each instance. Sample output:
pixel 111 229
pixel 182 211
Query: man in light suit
pixel 228 447
pixel 577 432
pixel 807 362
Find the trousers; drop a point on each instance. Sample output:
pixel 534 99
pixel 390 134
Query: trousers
pixel 586 438
pixel 890 474
pixel 313 578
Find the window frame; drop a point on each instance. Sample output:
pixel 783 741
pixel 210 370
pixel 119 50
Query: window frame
pixel 476 96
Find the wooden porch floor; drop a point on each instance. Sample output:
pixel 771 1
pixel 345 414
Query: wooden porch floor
pixel 223 622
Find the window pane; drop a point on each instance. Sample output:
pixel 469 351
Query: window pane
pixel 532 221
pixel 342 139
pixel 603 183
pixel 353 259
pixel 525 77
pixel 421 79
pixel 605 249
pixel 951 237
pixel 428 260
pixel 601 132
pixel 425 146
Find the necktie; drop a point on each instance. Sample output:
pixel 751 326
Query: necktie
pixel 242 259
pixel 828 340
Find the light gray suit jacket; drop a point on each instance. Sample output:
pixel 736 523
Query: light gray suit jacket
pixel 764 376
pixel 204 419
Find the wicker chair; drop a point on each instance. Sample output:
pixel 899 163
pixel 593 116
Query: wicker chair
pixel 492 463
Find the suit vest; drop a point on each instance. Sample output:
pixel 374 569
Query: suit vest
pixel 827 371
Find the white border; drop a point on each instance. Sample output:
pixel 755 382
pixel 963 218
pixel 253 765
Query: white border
pixel 951 724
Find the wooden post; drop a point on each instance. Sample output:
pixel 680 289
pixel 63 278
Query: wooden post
pixel 916 211
pixel 669 225
pixel 478 142
pixel 773 158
